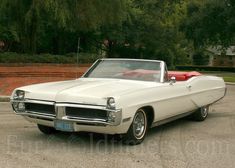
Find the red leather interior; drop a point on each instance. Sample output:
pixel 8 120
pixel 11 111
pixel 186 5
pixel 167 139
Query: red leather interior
pixel 182 76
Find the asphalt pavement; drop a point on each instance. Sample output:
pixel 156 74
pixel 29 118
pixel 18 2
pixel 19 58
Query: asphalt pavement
pixel 179 144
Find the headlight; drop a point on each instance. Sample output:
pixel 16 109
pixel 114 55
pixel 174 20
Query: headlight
pixel 18 101
pixel 111 103
pixel 19 95
pixel 18 106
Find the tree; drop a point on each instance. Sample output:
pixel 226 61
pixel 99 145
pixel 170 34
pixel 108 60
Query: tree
pixel 210 22
pixel 62 17
pixel 151 31
pixel 129 28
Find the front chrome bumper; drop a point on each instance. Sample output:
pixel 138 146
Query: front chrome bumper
pixel 60 113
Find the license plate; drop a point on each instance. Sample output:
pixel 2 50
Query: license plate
pixel 64 126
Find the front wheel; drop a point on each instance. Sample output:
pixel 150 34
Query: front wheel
pixel 201 114
pixel 137 130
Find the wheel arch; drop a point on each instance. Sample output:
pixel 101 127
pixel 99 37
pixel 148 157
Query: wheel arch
pixel 149 113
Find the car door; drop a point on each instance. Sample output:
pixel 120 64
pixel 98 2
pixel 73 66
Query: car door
pixel 172 99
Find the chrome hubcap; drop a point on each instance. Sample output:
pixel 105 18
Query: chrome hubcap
pixel 204 111
pixel 139 124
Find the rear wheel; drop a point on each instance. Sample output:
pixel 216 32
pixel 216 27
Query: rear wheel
pixel 137 130
pixel 201 114
pixel 46 130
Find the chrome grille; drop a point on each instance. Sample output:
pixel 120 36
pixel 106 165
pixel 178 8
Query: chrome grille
pixel 40 108
pixel 86 113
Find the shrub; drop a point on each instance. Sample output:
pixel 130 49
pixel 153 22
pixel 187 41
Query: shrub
pixel 205 68
pixel 71 58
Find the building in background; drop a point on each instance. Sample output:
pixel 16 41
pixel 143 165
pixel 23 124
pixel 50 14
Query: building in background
pixel 221 57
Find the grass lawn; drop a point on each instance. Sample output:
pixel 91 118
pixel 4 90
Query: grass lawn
pixel 228 77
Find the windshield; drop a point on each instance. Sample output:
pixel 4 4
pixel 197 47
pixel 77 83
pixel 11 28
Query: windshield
pixel 126 69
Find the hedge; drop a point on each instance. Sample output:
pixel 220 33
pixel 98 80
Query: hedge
pixel 71 58
pixel 205 68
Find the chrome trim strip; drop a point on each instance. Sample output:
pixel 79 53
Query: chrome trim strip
pixel 33 101
pixel 162 65
pixel 60 112
pixel 80 105
pixel 68 118
pixel 130 59
pixel 17 101
pixel 88 70
pixel 86 120
pixel 81 118
pixel 86 106
pixel 60 103
pixel 39 102
pixel 35 114
pixel 38 113
pixel 167 120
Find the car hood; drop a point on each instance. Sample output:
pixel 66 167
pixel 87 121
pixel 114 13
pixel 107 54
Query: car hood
pixel 84 90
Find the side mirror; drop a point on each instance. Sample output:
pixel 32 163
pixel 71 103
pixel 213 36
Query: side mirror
pixel 172 80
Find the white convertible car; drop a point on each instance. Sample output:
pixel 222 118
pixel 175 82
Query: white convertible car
pixel 118 96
